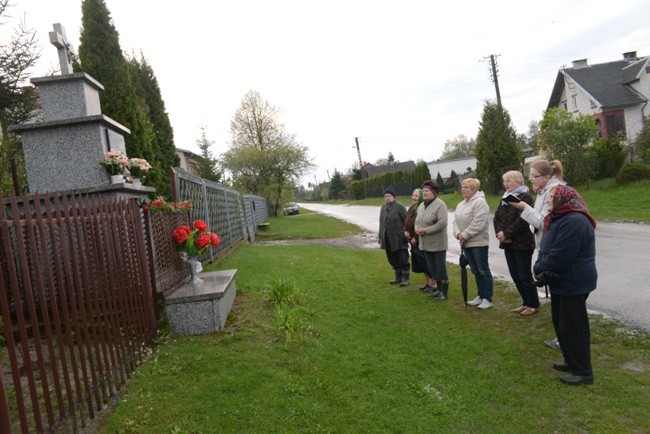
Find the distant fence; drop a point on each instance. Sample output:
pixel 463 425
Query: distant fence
pixel 231 215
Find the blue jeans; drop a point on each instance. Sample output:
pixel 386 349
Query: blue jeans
pixel 478 263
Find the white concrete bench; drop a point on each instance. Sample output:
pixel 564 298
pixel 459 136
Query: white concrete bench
pixel 203 308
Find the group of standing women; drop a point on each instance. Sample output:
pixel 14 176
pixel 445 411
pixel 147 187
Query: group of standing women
pixel 424 228
pixel 563 233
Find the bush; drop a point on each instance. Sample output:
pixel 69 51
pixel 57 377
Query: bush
pixel 632 172
pixel 609 155
pixel 355 189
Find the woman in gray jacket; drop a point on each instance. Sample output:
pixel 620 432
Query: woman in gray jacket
pixel 471 225
pixel 431 227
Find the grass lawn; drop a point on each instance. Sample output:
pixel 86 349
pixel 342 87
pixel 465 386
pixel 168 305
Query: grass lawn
pixel 370 357
pixel 606 200
pixel 306 225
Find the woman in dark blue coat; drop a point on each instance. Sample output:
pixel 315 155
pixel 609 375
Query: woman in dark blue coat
pixel 567 262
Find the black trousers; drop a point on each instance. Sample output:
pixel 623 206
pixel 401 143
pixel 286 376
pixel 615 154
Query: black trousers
pixel 398 259
pixel 519 262
pixel 571 324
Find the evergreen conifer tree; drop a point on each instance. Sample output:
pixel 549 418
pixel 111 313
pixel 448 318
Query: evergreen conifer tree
pixel 440 181
pixel 336 185
pixel 421 173
pixel 101 57
pixel 164 151
pixel 207 163
pixel 497 148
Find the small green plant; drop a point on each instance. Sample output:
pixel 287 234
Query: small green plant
pixel 282 292
pixel 290 319
pixel 290 322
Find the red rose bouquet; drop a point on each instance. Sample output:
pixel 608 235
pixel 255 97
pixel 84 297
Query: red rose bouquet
pixel 194 241
pixel 160 205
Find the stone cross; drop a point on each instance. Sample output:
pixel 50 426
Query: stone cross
pixel 59 40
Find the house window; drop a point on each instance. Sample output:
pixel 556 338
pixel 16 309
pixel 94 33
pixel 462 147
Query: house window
pixel 574 101
pixel 615 124
pixel 593 104
pixel 563 105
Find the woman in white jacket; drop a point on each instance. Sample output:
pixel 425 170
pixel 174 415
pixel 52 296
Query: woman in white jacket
pixel 543 176
pixel 471 223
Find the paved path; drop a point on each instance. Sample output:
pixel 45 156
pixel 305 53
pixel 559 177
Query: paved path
pixel 622 259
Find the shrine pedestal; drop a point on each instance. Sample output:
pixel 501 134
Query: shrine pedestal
pixel 202 308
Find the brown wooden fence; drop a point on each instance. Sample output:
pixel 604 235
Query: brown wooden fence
pixel 77 305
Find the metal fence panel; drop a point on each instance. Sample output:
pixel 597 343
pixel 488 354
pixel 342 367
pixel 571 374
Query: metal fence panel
pixel 77 306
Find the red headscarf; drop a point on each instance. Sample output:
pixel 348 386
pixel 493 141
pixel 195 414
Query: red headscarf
pixel 565 200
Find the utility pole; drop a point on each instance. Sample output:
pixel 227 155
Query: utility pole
pixel 356 140
pixel 494 73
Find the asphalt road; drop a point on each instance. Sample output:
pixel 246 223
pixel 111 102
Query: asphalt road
pixel 622 260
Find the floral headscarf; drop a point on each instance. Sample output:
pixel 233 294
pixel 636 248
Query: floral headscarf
pixel 420 199
pixel 565 200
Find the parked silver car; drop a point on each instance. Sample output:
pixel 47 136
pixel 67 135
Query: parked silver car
pixel 291 208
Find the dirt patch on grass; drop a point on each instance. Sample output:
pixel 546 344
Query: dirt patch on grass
pixel 634 366
pixel 363 241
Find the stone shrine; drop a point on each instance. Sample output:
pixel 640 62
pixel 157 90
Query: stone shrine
pixel 63 151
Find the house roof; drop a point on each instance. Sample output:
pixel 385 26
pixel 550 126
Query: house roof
pixel 188 153
pixel 407 166
pixel 606 83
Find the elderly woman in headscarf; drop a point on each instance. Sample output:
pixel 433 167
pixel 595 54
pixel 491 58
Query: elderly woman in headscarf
pixel 567 263
pixel 431 227
pixel 391 237
pixel 418 263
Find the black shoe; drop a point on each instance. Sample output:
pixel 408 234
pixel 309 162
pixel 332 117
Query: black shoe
pixel 395 281
pixel 404 283
pixel 577 380
pixel 424 287
pixel 431 290
pixel 561 367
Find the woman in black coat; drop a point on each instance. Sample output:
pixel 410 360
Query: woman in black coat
pixel 567 262
pixel 517 241
pixel 391 237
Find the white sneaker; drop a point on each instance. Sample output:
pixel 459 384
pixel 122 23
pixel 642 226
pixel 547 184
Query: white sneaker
pixel 475 302
pixel 485 304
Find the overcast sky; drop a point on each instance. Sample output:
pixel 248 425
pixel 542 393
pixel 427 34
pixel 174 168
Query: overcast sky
pixel 403 76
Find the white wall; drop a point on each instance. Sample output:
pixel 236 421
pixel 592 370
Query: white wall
pixel 458 165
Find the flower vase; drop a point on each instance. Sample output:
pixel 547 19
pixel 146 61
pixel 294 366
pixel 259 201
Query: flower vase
pixel 136 182
pixel 117 179
pixel 195 268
